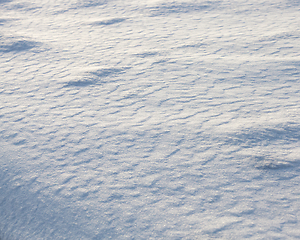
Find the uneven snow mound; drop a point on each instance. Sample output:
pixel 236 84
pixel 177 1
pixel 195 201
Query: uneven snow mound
pixel 153 119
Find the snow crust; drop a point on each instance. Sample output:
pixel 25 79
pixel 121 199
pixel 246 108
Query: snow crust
pixel 149 119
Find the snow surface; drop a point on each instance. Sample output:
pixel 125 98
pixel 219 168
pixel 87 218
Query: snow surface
pixel 149 119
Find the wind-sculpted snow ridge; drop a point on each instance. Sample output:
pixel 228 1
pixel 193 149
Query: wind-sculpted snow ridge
pixel 17 46
pixel 149 120
pixel 4 1
pixel 2 21
pixel 182 7
pixel 91 3
pixel 96 76
pixel 109 21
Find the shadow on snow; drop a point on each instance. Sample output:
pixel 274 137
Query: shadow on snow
pixel 17 46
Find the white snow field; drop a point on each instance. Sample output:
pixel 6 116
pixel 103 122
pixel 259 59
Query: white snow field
pixel 149 119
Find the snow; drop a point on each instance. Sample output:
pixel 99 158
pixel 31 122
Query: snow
pixel 149 119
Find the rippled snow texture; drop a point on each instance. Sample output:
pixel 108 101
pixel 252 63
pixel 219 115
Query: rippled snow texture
pixel 149 119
